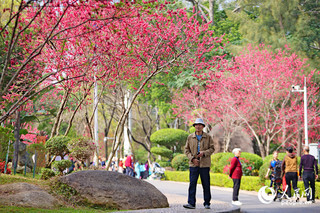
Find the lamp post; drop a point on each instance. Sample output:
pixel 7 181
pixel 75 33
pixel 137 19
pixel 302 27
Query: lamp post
pixel 304 90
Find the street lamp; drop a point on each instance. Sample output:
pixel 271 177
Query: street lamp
pixel 296 88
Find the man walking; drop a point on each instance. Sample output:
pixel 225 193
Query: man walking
pixel 310 167
pixel 199 147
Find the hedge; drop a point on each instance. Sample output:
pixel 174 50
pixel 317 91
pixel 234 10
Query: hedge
pixel 249 183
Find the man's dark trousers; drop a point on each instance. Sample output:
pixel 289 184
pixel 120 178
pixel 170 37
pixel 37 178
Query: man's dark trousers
pixel 309 177
pixel 205 180
pixel 291 176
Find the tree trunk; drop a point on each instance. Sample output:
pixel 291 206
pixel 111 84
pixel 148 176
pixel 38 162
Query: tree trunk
pixel 227 139
pixel 74 114
pixel 262 150
pixel 58 116
pixel 211 11
pixel 17 139
pixel 157 119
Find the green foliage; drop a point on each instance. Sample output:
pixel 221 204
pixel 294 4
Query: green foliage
pixel 251 164
pixel 47 174
pixel 39 147
pixel 58 146
pixel 169 137
pixel 81 148
pixel 215 161
pixel 7 179
pixel 219 161
pixel 140 154
pixel 192 130
pixel 62 165
pixel 62 189
pixel 281 23
pixel 6 135
pixel 180 162
pixel 162 151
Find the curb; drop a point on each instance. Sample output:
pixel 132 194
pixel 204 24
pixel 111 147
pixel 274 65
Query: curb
pixel 220 207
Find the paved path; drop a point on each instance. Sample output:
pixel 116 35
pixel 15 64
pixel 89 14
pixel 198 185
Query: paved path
pixel 176 193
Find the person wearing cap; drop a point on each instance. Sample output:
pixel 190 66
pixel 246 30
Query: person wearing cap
pixel 310 168
pixel 290 167
pixel 199 147
pixel 236 174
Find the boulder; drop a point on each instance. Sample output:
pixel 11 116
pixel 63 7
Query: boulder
pixel 115 190
pixel 26 195
pixel 239 139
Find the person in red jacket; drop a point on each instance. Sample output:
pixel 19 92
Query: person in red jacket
pixel 236 174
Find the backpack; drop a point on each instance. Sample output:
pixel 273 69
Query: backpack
pixel 277 170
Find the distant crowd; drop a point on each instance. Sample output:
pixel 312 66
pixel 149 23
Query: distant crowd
pixel 126 166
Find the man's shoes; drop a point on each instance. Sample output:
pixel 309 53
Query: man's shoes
pixel 313 201
pixel 189 206
pixel 237 203
pixel 207 206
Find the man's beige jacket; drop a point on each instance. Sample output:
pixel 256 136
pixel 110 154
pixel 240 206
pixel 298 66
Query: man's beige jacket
pixel 206 145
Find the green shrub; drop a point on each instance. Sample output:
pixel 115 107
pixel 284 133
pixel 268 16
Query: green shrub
pixel 251 163
pixel 65 191
pixel 81 148
pixel 266 163
pixel 62 165
pixel 58 146
pixel 36 147
pixel 251 168
pixel 181 176
pixel 215 161
pixel 162 151
pixel 180 162
pixel 6 135
pixel 192 129
pixel 46 174
pixel 170 138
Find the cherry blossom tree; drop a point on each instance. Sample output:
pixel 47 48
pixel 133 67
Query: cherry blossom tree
pixel 255 89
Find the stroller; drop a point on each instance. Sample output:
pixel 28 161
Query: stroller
pixel 158 171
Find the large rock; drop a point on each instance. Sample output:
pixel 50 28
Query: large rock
pixel 115 190
pixel 239 139
pixel 26 195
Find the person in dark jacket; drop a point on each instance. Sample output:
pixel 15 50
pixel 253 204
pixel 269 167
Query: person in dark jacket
pixel 290 167
pixel 310 168
pixel 236 174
